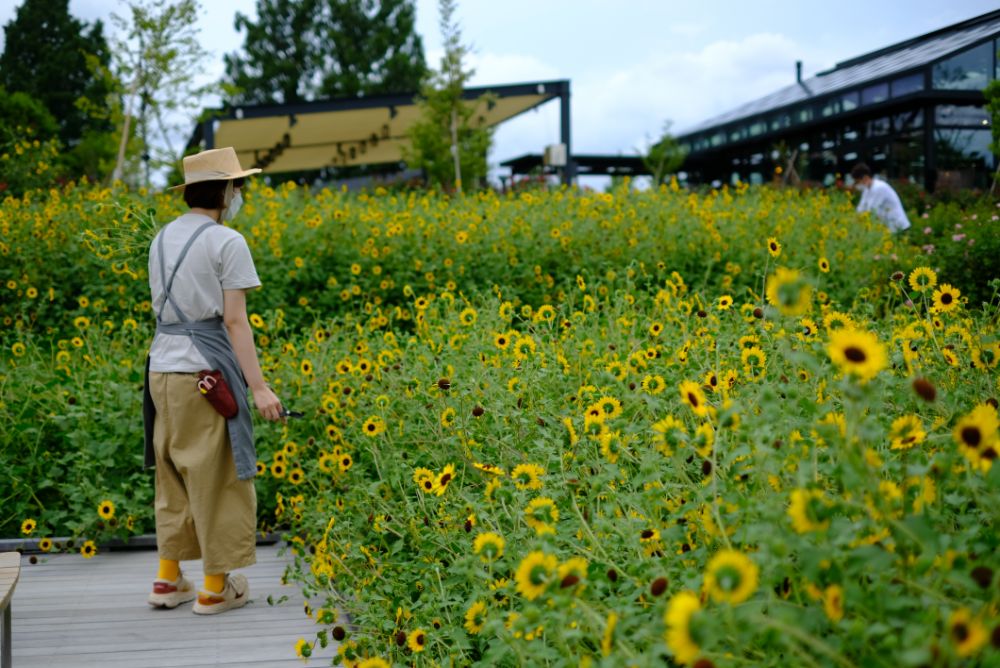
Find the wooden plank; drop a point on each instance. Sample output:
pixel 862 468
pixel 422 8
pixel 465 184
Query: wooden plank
pixel 77 612
pixel 10 566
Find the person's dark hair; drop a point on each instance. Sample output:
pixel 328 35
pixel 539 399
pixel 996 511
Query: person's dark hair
pixel 860 171
pixel 208 194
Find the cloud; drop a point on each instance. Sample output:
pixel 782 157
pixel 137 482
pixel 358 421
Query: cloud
pixel 619 108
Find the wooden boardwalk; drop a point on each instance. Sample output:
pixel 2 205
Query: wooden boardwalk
pixel 69 611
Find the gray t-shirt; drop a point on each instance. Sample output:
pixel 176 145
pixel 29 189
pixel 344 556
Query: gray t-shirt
pixel 218 260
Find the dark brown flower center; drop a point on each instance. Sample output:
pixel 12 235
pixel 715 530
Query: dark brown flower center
pixel 946 298
pixel 855 354
pixel 693 399
pixel 972 436
pixel 960 632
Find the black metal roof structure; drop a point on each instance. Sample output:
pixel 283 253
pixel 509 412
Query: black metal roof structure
pixel 356 131
pixel 918 84
pixel 586 165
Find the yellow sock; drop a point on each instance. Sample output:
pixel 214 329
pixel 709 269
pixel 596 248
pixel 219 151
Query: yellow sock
pixel 169 569
pixel 215 583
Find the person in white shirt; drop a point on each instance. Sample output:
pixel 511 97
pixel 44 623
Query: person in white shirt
pixel 878 197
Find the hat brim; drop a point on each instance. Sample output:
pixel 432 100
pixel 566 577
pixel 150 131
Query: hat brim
pixel 238 175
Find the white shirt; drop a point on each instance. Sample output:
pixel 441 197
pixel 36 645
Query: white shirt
pixel 218 260
pixel 883 201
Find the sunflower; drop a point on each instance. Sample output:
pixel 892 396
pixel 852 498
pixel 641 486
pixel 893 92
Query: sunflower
pixel 967 633
pixel 725 301
pixel 923 279
pixel 835 320
pixel 506 311
pixel 946 298
pixel 444 478
pixel 857 353
pixel 303 649
pixel 18 349
pixel 501 340
pixel 617 369
pixel 704 440
pixel 655 329
pixel 678 616
pixel 373 426
pixel 534 574
pixel 540 514
pixel 653 384
pixel 306 367
pixel 527 476
pixel 773 247
pixel 571 572
pixel 805 507
pixel 475 618
pixel 711 381
pixel 88 549
pixel 906 431
pixel 296 476
pixel 833 602
pixel 976 436
pixel 524 347
pixel 754 363
pixel 692 395
pixel 731 577
pixel 545 313
pixel 489 546
pixel 448 418
pixel 278 469
pixel 28 526
pixel 256 320
pixel 45 544
pixel 106 509
pixel 468 316
pixel 489 468
pixel 807 329
pixel 374 662
pixel 610 407
pixel 326 461
pixel 788 291
pixel 417 640
pixel 824 265
pixel 669 433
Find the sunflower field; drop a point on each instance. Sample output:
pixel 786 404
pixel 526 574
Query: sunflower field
pixel 746 427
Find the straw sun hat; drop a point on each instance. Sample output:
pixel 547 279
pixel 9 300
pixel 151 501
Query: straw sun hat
pixel 217 164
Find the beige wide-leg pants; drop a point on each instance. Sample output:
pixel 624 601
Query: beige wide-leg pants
pixel 202 510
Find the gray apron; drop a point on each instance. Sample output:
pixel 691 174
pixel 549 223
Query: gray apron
pixel 212 341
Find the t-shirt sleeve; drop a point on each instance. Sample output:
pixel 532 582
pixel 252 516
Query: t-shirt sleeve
pixel 238 271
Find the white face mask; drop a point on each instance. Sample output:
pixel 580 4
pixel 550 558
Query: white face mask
pixel 235 202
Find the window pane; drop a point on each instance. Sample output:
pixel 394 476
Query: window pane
pixel 850 101
pixel 908 120
pixel 908 84
pixel 878 127
pixel 875 94
pixel 969 70
pixel 963 158
pixel 964 115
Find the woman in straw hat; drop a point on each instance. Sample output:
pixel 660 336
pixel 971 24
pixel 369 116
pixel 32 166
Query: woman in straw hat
pixel 206 505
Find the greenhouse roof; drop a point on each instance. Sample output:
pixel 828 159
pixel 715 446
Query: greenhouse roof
pixel 347 132
pixel 877 65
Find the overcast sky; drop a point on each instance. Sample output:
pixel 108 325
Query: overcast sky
pixel 633 64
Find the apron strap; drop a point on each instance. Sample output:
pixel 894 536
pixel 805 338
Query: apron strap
pixel 167 284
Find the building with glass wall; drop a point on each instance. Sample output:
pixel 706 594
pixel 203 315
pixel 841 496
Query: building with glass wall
pixel 912 111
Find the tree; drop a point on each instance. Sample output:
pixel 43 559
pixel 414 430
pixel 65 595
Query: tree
pixel 451 140
pixel 298 50
pixel 52 57
pixel 374 48
pixel 157 61
pixel 664 157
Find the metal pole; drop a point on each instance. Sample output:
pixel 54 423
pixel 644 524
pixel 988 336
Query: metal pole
pixel 6 657
pixel 569 171
pixel 209 133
